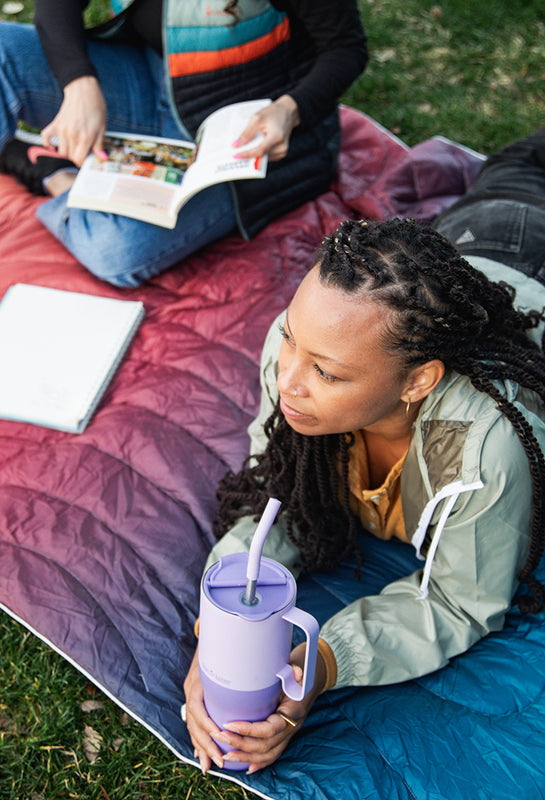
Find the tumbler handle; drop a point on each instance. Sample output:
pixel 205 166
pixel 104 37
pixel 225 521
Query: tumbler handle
pixel 311 628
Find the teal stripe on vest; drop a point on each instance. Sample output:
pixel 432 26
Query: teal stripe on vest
pixel 119 5
pixel 203 39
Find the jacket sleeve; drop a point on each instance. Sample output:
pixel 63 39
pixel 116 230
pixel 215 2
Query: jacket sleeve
pixel 61 30
pixel 398 635
pixel 238 539
pixel 337 36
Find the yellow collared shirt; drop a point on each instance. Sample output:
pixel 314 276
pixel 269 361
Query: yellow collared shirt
pixel 379 510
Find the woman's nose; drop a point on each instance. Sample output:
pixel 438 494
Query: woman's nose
pixel 288 380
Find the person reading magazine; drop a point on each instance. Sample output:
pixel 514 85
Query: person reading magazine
pixel 152 180
pixel 73 85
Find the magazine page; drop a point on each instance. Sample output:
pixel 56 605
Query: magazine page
pixel 215 159
pixel 151 179
pixel 140 179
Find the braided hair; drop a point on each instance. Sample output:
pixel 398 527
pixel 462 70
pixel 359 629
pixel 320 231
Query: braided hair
pixel 442 309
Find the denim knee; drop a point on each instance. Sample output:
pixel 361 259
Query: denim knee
pixel 125 252
pixel 99 241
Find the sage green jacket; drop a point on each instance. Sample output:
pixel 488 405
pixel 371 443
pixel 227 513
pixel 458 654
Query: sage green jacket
pixel 466 489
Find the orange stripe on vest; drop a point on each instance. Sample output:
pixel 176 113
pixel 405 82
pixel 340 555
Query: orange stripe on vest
pixel 194 63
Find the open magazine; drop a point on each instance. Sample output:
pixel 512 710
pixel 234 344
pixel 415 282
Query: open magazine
pixel 151 179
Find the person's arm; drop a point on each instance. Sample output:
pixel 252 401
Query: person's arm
pixel 80 123
pixel 337 36
pixel 398 635
pixel 62 34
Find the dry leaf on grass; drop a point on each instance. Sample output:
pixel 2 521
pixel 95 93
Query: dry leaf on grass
pixel 91 705
pixel 382 56
pixel 92 742
pixel 7 725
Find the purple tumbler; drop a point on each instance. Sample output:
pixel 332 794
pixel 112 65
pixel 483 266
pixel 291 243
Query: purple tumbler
pixel 247 613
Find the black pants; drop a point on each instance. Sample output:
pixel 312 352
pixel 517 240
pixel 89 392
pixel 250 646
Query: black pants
pixel 502 216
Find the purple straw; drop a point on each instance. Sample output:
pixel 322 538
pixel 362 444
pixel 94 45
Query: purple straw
pixel 256 547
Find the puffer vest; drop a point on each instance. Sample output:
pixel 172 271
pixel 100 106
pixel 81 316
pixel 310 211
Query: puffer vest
pixel 214 59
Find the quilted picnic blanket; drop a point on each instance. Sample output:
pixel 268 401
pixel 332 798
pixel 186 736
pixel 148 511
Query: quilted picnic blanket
pixel 103 535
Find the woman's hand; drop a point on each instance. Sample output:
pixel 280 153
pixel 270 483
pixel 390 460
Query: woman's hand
pixel 81 121
pixel 259 743
pixel 199 724
pixel 276 122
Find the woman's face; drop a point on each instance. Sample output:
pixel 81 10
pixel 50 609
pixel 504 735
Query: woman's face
pixel 334 374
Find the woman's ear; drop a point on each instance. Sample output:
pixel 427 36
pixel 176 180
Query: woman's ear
pixel 422 380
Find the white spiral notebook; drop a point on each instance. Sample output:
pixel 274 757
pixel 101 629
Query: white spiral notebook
pixel 58 353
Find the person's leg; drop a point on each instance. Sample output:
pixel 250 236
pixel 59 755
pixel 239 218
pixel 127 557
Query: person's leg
pixel 125 251
pixel 502 216
pixel 129 79
pixel 519 167
pixel 118 249
pixel 503 230
pixel 28 90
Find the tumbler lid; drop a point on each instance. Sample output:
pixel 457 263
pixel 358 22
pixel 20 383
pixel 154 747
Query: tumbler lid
pixel 224 584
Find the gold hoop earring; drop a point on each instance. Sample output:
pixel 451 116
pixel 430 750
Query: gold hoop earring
pixel 407 407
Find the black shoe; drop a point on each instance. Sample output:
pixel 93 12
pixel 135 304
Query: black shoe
pixel 31 163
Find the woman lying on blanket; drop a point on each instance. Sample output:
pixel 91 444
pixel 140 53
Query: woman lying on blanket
pixel 402 393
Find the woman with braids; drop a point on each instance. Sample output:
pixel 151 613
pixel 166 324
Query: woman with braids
pixel 158 68
pixel 401 393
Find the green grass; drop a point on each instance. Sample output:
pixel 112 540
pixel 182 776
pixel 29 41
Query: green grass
pixel 43 730
pixel 471 71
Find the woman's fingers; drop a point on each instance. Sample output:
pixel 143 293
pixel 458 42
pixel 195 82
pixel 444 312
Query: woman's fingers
pixel 259 743
pixel 199 725
pixel 275 122
pixel 80 122
pixel 201 736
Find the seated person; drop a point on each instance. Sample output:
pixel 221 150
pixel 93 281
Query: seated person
pixel 403 391
pixel 303 54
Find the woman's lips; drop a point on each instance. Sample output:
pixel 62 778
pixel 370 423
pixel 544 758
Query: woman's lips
pixel 290 412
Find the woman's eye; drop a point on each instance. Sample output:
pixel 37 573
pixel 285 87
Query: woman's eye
pixel 324 375
pixel 285 335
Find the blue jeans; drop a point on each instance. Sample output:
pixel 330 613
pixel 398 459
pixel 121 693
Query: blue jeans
pixel 117 249
pixel 502 216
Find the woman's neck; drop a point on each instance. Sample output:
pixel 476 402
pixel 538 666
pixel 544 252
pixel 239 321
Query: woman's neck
pixel 383 454
pixel 387 444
